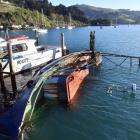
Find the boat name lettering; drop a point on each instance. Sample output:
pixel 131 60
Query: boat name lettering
pixel 22 61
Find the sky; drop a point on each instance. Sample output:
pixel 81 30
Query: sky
pixel 114 4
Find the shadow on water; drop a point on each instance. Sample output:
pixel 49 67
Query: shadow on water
pixel 21 80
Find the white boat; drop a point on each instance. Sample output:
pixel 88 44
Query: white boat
pixel 26 55
pixel 70 27
pixel 41 30
pixel 63 25
pixel 34 28
pixel 57 27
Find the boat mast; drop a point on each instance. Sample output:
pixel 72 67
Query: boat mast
pixel 42 17
pixel 111 22
pixel 70 19
pixel 116 22
pixel 57 22
pixel 6 33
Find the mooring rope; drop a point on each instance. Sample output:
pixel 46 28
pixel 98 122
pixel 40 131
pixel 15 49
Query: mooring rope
pixel 116 63
pixel 123 61
pixel 111 61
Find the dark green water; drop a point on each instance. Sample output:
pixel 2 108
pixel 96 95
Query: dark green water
pixel 95 114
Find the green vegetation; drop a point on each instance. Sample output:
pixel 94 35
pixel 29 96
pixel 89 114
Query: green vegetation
pixel 28 12
pixel 13 15
pixel 4 8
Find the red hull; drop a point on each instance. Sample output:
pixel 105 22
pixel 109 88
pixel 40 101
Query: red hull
pixel 74 82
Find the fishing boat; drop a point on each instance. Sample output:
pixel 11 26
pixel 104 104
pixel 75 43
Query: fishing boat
pixel 26 55
pixel 12 121
pixel 65 85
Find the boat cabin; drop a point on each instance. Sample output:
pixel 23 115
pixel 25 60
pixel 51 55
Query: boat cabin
pixel 19 44
pixel 26 54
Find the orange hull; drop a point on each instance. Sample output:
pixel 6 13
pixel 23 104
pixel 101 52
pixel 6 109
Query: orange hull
pixel 74 82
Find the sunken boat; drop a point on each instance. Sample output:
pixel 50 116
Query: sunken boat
pixel 12 121
pixel 64 85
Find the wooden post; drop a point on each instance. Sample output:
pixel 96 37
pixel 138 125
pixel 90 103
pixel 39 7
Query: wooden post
pixel 3 88
pixel 13 79
pixel 2 79
pixel 36 37
pixel 63 45
pixel 92 42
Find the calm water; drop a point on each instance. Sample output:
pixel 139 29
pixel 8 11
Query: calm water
pixel 95 114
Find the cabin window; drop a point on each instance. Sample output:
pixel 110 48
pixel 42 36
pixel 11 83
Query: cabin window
pixel 19 48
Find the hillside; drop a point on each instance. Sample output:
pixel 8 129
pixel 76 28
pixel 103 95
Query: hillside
pixel 123 16
pixel 28 12
pixel 14 15
pixel 56 14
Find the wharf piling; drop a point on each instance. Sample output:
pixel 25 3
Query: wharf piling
pixel 92 42
pixel 37 37
pixel 12 74
pixel 3 88
pixel 96 55
pixel 63 44
pixel 130 61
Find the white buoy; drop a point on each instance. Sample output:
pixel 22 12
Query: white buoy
pixel 134 87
